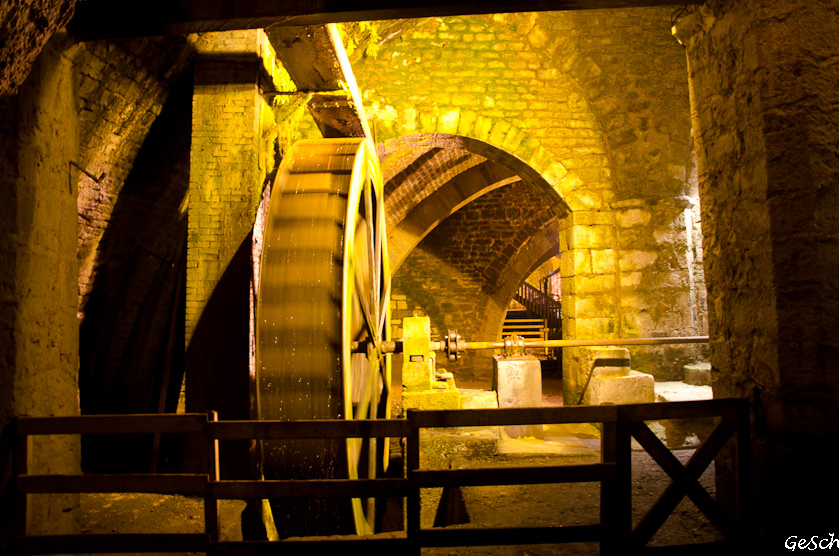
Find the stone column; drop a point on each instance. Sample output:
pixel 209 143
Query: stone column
pixel 657 293
pixel 39 331
pixel 764 92
pixel 590 290
pixel 227 172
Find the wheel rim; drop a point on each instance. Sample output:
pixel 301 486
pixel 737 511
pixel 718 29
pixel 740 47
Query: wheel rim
pixel 324 284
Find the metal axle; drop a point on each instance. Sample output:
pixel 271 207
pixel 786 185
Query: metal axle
pixel 454 345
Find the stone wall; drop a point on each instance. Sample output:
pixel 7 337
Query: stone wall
pixel 596 102
pixel 38 287
pixel 25 27
pixel 762 82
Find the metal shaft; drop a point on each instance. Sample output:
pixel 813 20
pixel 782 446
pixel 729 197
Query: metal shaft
pixel 579 343
pixel 394 346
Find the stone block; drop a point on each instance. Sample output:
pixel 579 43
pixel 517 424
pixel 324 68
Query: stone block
pixel 591 237
pixel 417 375
pixel 633 217
pixel 417 334
pixel 478 399
pixel 595 328
pixel 518 381
pixel 602 261
pixel 637 260
pixel 684 432
pixel 698 374
pixel 633 387
pixel 431 399
pixel 607 361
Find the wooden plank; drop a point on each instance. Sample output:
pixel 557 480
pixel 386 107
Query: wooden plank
pixel 681 410
pixel 315 59
pixel 158 483
pixel 130 543
pixel 513 416
pixel 308 55
pixel 114 424
pixel 594 472
pixel 320 488
pixel 106 19
pixel 510 535
pixel 320 428
pixel 335 116
pixel 386 544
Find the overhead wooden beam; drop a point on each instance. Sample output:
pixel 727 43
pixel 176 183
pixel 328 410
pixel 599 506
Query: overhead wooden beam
pixel 111 19
pixel 316 61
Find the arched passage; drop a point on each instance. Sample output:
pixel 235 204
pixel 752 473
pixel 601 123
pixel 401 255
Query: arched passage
pixel 467 223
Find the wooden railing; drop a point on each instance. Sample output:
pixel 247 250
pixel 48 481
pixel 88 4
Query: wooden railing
pixel 615 532
pixel 542 305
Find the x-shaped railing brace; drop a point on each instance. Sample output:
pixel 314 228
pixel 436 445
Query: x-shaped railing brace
pixel 684 481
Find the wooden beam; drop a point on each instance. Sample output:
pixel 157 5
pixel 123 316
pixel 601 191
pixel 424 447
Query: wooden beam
pixel 114 424
pixel 107 19
pixel 308 55
pixel 314 488
pixel 315 59
pixel 160 483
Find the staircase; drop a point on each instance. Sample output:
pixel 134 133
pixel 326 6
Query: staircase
pixel 540 318
pixel 521 324
pixel 540 305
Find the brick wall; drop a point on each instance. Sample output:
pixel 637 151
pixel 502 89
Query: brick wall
pixel 229 166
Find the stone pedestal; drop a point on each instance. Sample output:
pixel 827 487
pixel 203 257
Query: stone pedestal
pixel 518 381
pixel 633 387
pixel 613 382
pixel 698 374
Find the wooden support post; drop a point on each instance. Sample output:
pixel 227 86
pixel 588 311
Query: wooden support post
pixel 623 483
pixel 23 445
pixel 414 501
pixel 211 506
pixel 21 463
pixel 745 510
pixel 609 490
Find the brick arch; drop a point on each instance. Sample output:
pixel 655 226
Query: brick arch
pixel 500 168
pixel 501 142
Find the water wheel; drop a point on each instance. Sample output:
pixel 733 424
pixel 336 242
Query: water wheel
pixel 324 284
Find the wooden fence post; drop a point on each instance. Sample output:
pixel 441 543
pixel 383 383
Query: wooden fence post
pixel 609 490
pixel 623 490
pixel 211 505
pixel 21 463
pixel 414 501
